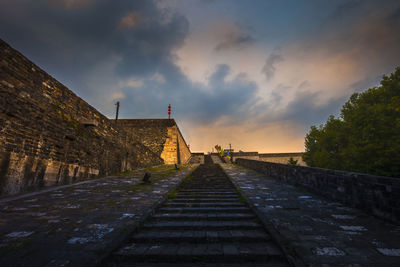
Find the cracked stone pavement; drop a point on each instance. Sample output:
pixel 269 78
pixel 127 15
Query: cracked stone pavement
pixel 79 224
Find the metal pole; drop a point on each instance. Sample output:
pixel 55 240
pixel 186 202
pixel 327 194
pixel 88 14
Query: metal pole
pixel 116 115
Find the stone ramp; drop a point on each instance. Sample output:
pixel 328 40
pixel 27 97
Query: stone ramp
pixel 78 224
pixel 317 231
pixel 204 223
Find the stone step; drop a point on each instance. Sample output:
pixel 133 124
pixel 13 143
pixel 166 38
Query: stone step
pixel 206 204
pixel 204 216
pixel 209 191
pixel 200 252
pixel 203 185
pixel 242 209
pixel 200 264
pixel 216 181
pixel 192 236
pixel 203 225
pixel 213 188
pixel 188 200
pixel 203 195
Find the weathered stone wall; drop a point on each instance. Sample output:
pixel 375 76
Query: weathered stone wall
pixel 375 194
pixel 184 151
pixel 49 136
pixel 283 157
pixel 150 132
pixel 161 136
pixel 170 154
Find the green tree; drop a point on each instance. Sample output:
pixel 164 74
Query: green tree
pixel 292 161
pixel 366 136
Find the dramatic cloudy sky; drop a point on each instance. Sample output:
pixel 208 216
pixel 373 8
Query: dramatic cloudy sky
pixel 256 74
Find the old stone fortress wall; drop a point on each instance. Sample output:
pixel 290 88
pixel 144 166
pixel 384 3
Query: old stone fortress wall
pixel 49 136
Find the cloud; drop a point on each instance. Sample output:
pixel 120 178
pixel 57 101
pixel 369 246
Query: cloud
pixel 158 78
pixel 130 20
pixel 83 47
pixel 303 85
pixel 234 40
pixel 269 68
pixel 219 41
pixel 147 55
pixel 118 95
pixel 305 108
pixel 150 45
pixel 71 4
pixel 132 82
pixel 219 98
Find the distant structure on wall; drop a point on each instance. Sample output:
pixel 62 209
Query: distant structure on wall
pixel 270 157
pixel 283 157
pixel 50 136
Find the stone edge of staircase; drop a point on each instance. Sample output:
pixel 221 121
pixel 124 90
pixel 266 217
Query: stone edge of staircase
pixel 123 237
pixel 293 258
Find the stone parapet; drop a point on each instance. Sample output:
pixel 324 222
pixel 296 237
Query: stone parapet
pixel 376 195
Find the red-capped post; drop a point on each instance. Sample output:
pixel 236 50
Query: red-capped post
pixel 169 111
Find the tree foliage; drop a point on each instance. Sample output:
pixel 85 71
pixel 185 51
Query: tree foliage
pixel 292 161
pixel 366 136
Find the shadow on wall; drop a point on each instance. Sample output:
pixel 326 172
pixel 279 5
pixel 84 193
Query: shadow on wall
pixel 161 136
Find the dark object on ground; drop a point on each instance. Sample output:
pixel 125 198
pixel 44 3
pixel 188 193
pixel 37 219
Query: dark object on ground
pixel 146 178
pixel 176 167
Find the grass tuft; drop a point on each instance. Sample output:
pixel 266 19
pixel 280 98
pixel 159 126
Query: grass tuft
pixel 172 195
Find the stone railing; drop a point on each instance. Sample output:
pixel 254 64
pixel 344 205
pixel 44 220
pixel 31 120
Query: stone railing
pixel 377 195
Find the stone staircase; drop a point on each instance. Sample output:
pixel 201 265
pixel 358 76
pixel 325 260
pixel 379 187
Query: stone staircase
pixel 206 224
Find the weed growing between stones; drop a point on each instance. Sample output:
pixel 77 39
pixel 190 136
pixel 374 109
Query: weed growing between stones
pixel 159 168
pixel 172 195
pixel 124 173
pixel 139 187
pixel 242 199
pixel 162 175
pixel 112 204
pixel 18 246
